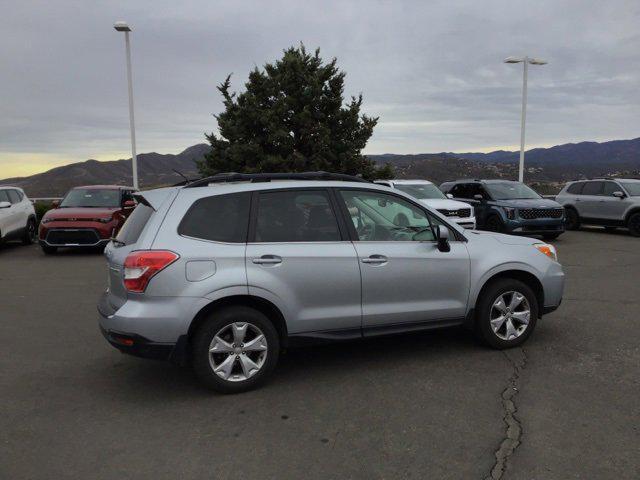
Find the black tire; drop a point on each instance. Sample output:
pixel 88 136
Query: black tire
pixel 572 219
pixel 551 236
pixel 30 233
pixel 494 224
pixel 633 224
pixel 49 250
pixel 484 310
pixel 216 323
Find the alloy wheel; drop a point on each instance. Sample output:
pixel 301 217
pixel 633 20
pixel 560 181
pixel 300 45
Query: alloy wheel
pixel 510 315
pixel 238 351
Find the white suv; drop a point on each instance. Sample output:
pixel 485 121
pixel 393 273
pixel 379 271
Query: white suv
pixel 17 216
pixel 431 196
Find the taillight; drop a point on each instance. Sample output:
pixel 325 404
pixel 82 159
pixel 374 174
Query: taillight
pixel 140 266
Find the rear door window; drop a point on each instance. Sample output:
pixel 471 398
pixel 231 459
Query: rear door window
pixel 575 188
pixel 592 188
pixel 4 197
pixel 220 218
pixel 296 216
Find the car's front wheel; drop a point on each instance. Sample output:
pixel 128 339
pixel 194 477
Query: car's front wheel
pixel 633 224
pixel 494 224
pixel 506 313
pixel 235 350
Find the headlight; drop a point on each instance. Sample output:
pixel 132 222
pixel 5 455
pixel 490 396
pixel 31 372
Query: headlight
pixel 548 250
pixel 510 212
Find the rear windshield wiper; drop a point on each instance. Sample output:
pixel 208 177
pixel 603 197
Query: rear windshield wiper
pixel 117 242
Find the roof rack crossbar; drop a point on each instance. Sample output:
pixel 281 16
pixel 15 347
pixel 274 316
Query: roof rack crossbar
pixel 267 177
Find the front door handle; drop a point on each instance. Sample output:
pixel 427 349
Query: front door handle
pixel 267 260
pixel 375 259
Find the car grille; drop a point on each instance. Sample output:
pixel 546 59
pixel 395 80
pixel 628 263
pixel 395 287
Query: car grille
pixel 462 212
pixel 531 213
pixel 85 236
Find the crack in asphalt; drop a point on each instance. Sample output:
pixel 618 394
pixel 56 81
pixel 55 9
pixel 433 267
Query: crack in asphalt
pixel 513 432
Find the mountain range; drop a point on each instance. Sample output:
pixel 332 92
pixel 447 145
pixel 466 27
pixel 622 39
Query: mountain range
pixel 546 167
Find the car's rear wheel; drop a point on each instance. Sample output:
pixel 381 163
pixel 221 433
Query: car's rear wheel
pixel 30 233
pixel 572 219
pixel 49 250
pixel 633 224
pixel 506 313
pixel 235 350
pixel 494 224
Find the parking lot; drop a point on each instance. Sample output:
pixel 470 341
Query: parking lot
pixel 433 405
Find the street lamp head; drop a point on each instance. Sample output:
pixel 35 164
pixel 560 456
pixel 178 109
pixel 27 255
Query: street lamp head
pixel 122 26
pixel 537 61
pixel 513 60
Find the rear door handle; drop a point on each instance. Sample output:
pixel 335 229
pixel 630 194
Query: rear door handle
pixel 375 259
pixel 267 260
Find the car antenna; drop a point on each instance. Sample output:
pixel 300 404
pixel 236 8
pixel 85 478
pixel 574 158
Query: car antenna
pixel 186 180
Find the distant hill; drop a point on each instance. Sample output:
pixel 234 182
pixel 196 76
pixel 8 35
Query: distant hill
pixel 547 167
pixel 153 169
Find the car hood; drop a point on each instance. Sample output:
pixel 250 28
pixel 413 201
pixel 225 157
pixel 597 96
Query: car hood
pixel 529 203
pixel 443 203
pixel 503 238
pixel 80 213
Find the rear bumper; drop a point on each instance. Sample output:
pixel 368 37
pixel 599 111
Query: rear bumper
pixel 150 328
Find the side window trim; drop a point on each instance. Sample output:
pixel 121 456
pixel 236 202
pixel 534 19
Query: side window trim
pixel 254 205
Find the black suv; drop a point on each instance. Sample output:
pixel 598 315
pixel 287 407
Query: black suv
pixel 509 207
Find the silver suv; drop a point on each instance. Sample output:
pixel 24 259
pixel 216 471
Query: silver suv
pixel 610 202
pixel 227 271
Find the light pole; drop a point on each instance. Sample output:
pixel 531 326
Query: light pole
pixel 526 61
pixel 123 27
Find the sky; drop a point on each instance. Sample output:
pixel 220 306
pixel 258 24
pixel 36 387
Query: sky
pixel 431 70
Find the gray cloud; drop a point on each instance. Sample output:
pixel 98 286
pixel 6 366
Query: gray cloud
pixel 431 71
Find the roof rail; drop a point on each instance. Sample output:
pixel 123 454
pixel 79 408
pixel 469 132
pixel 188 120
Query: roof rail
pixel 267 177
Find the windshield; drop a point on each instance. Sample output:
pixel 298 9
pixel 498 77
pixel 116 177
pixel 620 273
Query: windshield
pixel 420 190
pixel 510 191
pixel 632 188
pixel 91 197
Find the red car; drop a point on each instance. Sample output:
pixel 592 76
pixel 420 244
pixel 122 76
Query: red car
pixel 86 217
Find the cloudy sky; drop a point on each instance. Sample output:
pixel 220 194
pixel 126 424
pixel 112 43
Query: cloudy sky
pixel 431 70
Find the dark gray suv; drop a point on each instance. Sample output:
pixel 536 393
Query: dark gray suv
pixel 509 207
pixel 610 202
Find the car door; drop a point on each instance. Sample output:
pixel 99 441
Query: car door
pixel 20 209
pixel 5 214
pixel 613 208
pixel 589 205
pixel 302 260
pixel 404 281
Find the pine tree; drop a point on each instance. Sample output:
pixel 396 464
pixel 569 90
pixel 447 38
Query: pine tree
pixel 292 118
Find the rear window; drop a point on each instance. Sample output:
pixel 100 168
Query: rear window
pixel 221 218
pixel 132 228
pixel 575 188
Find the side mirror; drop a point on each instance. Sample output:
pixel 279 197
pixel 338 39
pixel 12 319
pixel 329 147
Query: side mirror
pixel 129 204
pixel 477 196
pixel 618 194
pixel 449 195
pixel 442 237
pixel 55 204
pixel 5 204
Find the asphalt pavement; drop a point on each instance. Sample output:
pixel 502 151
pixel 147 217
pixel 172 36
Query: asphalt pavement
pixel 433 405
